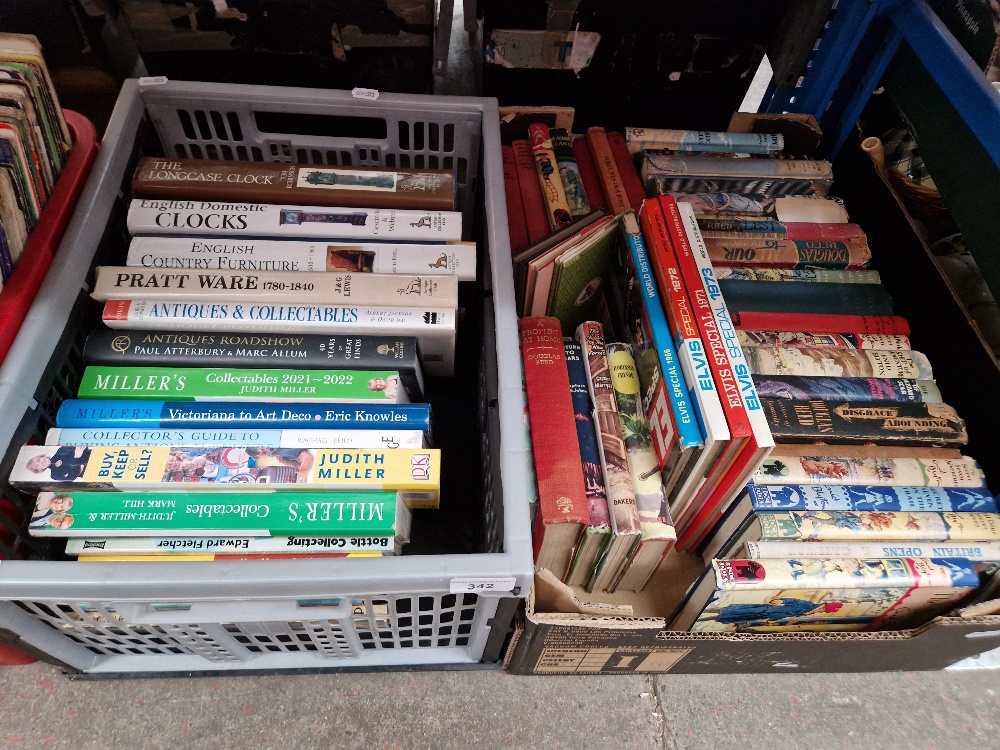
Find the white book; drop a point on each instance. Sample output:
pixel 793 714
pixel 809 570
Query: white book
pixel 249 438
pixel 227 254
pixel 316 287
pixel 977 552
pixel 240 545
pixel 269 220
pixel 434 328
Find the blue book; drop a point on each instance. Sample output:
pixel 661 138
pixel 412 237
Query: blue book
pixel 859 498
pixel 241 415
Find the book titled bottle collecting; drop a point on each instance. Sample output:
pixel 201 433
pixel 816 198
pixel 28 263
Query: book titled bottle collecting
pixel 415 474
pixel 117 348
pixel 203 253
pixel 383 438
pixel 433 327
pixel 182 217
pixel 257 514
pixel 242 415
pixel 277 182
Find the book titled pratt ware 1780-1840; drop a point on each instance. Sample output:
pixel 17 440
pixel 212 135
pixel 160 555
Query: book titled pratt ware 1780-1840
pixel 276 182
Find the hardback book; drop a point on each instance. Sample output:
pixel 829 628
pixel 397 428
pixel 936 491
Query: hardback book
pixel 639 139
pixel 804 340
pixel 279 287
pixel 578 276
pixel 532 200
pixel 978 553
pixel 788 595
pixel 869 497
pixel 557 211
pixel 782 321
pixel 655 523
pixel 776 296
pixel 232 384
pixel 608 175
pixel 116 348
pixel 208 254
pixel 787 208
pixel 626 533
pixel 563 508
pixel 822 464
pixel 860 422
pixel 297 544
pixel 598 530
pixel 179 217
pixel 703 360
pixel 681 173
pixel 865 451
pixel 434 328
pixel 828 525
pixel 700 519
pixel 588 173
pixel 808 275
pixel 569 173
pixel 839 388
pixel 246 415
pixel 826 361
pixel 384 438
pixel 279 182
pixel 517 228
pixel 259 514
pixel 735 228
pixel 626 170
pixel 414 474
pixel 777 253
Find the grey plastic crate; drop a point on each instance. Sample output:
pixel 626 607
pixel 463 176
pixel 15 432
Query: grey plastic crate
pixel 171 617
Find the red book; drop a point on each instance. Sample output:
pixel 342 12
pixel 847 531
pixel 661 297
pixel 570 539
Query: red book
pixel 626 168
pixel 588 173
pixel 563 511
pixel 607 171
pixel 532 199
pixel 780 321
pixel 516 225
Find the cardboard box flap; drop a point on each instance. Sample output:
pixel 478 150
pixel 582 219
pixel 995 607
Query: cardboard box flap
pixel 552 596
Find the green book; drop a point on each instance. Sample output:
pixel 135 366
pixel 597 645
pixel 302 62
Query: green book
pixel 258 514
pixel 228 384
pixel 578 277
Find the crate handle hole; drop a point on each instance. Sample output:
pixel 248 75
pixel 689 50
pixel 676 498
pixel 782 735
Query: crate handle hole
pixel 327 126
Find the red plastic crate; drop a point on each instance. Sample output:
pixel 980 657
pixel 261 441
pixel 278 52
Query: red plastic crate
pixel 18 293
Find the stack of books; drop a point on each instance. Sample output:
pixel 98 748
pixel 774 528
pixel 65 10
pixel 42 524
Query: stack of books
pixel 259 397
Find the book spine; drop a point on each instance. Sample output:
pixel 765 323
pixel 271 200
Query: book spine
pixel 569 172
pixel 229 384
pixel 897 471
pixel 113 348
pixel 830 525
pixel 639 139
pixel 593 475
pixel 798 208
pixel 686 165
pixel 557 208
pixel 753 230
pixel 85 547
pixel 851 363
pixel 869 497
pixel 516 225
pixel 975 552
pixel 803 340
pixel 270 220
pixel 276 182
pixel 852 422
pixel 588 173
pixel 531 192
pixel 626 170
pixel 414 474
pixel 213 557
pixel 562 494
pixel 776 296
pixel 384 438
pixel 202 253
pixel 798 275
pixel 777 321
pixel 803 388
pixel 261 514
pixel 243 416
pixel 434 328
pixel 607 171
pixel 777 253
pixel 319 287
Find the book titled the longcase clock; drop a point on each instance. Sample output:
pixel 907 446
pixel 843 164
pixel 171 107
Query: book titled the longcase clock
pixel 258 514
pixel 415 474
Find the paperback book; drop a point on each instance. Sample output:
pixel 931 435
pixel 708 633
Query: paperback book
pixel 383 438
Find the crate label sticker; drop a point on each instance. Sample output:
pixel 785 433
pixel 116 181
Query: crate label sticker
pixel 153 80
pixel 622 660
pixel 482 585
pixel 368 94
